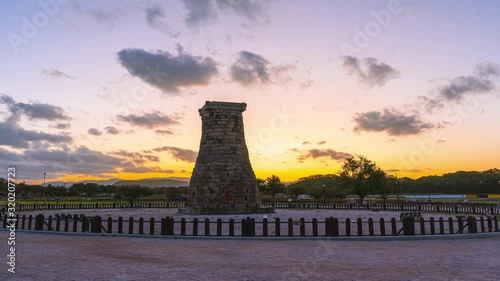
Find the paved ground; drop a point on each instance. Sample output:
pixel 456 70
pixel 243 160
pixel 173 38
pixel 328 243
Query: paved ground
pixel 64 257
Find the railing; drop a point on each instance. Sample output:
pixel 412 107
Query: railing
pixel 329 227
pixel 433 208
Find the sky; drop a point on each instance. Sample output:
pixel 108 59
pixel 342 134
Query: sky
pixel 111 89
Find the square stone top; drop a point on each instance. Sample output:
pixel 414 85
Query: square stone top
pixel 211 105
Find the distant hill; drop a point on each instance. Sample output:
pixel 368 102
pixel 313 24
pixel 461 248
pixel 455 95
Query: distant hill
pixel 156 182
pixel 151 182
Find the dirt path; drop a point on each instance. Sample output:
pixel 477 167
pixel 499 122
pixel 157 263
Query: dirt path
pixel 61 257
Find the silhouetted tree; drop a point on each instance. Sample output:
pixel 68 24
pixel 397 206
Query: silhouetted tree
pixel 361 176
pixel 274 185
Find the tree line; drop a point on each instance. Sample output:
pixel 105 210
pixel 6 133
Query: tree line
pixel 362 177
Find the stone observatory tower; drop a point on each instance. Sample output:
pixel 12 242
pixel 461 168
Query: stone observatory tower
pixel 223 181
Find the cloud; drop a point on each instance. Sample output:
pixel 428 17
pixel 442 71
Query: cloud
pixel 135 157
pixel 369 71
pixel 207 11
pixel 15 136
pixel 315 153
pixel 7 155
pixel 108 15
pixel 62 126
pixel 250 68
pixel 94 132
pixel 54 73
pixel 34 110
pixel 111 130
pixel 321 142
pixel 200 12
pixel 80 160
pixel 181 154
pixel 252 10
pixel 164 132
pixel 155 17
pixel 455 90
pixel 149 120
pixel 167 72
pixel 392 121
pixel 479 83
pixel 306 143
pixel 486 70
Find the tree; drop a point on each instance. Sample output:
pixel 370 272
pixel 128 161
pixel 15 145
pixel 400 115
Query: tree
pixel 132 192
pixel 274 185
pixel 295 190
pixel 56 192
pixel 361 176
pixel 386 186
pixel 88 189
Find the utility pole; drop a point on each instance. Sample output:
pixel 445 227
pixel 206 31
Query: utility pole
pixel 44 174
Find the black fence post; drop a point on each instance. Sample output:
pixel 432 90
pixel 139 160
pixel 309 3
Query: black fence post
pixel 219 227
pixel 277 227
pixel 471 224
pixel 151 226
pixel 231 227
pixel 290 227
pixel 302 227
pixel 207 227
pixel 96 225
pixel 408 226
pixel 348 227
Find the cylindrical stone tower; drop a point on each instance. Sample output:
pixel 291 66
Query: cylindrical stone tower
pixel 223 180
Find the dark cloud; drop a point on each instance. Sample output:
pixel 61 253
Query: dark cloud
pixel 461 86
pixel 167 72
pixel 181 154
pixel 306 143
pixel 321 153
pixel 155 17
pixel 80 160
pixel 164 132
pixel 111 130
pixel 149 120
pixel 321 142
pixel 62 126
pixel 94 132
pixel 252 10
pixel 34 110
pixel 429 104
pixel 83 160
pixel 201 12
pixel 135 157
pixel 54 73
pixel 369 71
pixel 456 89
pixel 250 68
pixel 391 121
pixel 6 155
pixel 486 70
pixel 108 15
pixel 15 136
